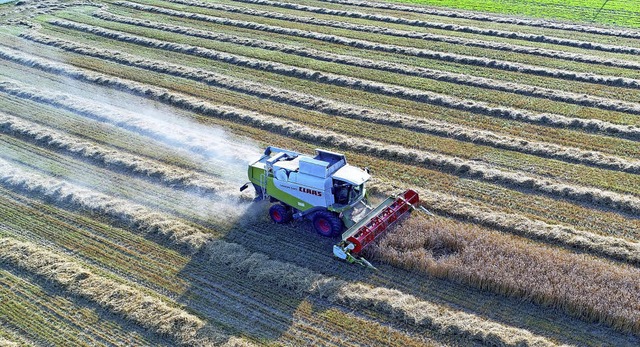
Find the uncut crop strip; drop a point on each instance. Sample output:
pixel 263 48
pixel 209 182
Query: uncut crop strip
pixel 147 311
pixel 467 29
pixel 478 107
pixel 584 287
pixel 330 107
pixel 134 216
pixel 619 202
pixel 397 305
pixel 577 57
pixel 485 83
pixel 554 234
pixel 146 168
pixel 492 18
pixel 414 35
pixel 417 52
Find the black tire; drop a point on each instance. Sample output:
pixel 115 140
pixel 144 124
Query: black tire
pixel 327 224
pixel 280 214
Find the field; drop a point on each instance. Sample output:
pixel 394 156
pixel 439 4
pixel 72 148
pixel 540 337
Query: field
pixel 126 128
pixel 617 12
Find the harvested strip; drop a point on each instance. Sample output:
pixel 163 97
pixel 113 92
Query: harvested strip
pixel 463 28
pixel 170 175
pixel 7 343
pixel 346 110
pixel 471 169
pixel 562 235
pixel 588 288
pixel 147 311
pixel 583 58
pixel 492 18
pixel 486 83
pixel 393 303
pixel 631 132
pixel 415 35
pixel 260 268
pixel 423 53
pixel 135 216
pixel 158 129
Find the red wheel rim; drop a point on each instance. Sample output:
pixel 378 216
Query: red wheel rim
pixel 276 215
pixel 324 226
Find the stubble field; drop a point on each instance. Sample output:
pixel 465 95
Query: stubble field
pixel 126 128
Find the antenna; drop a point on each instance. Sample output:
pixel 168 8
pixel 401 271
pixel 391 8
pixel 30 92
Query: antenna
pixel 598 13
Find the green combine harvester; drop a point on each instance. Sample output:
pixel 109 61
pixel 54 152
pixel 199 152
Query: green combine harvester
pixel 330 193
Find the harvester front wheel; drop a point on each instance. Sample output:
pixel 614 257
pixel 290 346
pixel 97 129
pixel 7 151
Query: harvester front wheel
pixel 327 224
pixel 280 214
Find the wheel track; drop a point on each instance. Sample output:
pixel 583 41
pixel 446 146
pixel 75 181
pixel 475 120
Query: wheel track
pixel 176 202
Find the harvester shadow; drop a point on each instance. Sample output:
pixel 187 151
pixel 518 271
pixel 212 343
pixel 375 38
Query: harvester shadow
pixel 231 300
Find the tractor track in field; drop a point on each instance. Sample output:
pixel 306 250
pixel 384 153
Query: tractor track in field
pixel 629 33
pixel 548 53
pixel 329 107
pixel 151 198
pixel 485 83
pixel 461 28
pixel 426 53
pixel 477 107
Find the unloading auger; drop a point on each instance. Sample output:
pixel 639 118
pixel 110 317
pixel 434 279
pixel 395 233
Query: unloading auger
pixel 330 193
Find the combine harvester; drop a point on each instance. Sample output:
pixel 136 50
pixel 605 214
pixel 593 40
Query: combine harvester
pixel 330 193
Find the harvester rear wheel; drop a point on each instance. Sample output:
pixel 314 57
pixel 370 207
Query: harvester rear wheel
pixel 327 224
pixel 280 214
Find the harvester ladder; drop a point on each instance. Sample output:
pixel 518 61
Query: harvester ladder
pixel 263 184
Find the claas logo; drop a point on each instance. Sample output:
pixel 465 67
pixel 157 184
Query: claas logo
pixel 310 191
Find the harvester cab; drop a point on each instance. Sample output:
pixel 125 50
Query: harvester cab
pixel 330 193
